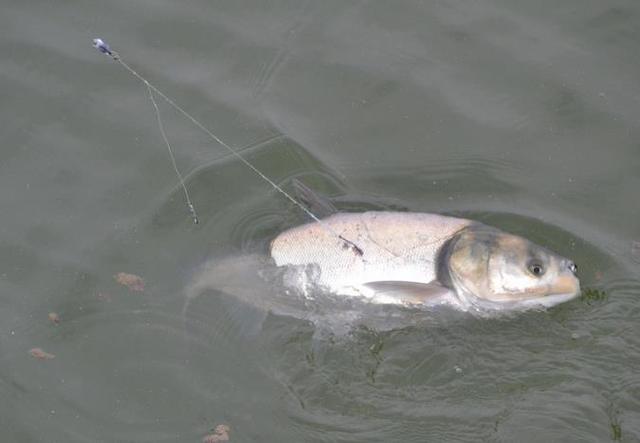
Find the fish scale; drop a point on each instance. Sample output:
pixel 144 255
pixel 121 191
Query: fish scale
pixel 396 246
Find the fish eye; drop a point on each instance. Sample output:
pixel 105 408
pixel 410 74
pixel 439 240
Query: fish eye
pixel 536 268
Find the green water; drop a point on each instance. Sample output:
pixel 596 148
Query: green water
pixel 522 115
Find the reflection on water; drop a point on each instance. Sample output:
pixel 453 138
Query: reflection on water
pixel 520 116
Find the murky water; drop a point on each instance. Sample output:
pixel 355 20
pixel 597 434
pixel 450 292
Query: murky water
pixel 522 115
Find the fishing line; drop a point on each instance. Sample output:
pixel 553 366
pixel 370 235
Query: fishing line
pixel 192 209
pixel 104 48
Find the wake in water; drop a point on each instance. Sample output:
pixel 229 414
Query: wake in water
pixel 256 283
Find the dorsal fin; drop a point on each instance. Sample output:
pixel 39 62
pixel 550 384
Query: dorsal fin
pixel 319 205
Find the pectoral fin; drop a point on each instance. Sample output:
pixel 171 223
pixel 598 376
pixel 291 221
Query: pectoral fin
pixel 408 292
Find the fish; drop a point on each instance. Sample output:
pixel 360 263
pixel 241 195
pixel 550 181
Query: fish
pixel 424 259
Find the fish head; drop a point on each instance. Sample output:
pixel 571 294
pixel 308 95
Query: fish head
pixel 491 268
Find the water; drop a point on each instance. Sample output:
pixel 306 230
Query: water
pixel 522 116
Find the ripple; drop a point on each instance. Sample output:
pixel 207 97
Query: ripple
pixel 343 369
pixel 370 371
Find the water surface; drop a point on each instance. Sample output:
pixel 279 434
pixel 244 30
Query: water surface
pixel 522 116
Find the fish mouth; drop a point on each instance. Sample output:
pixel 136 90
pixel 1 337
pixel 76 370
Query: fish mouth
pixel 563 289
pixel 524 303
pixel 566 284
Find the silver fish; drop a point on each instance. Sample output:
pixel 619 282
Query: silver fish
pixel 419 258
